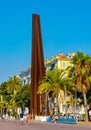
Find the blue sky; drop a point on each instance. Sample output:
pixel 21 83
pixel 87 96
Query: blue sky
pixel 65 25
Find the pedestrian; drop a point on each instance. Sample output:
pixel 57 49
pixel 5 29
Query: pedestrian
pixel 28 118
pixel 21 118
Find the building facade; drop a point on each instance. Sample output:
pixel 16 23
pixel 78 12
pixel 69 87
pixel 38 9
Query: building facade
pixel 59 61
pixel 25 76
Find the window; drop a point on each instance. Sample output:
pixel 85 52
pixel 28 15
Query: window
pixel 52 67
pixel 64 65
pixel 70 64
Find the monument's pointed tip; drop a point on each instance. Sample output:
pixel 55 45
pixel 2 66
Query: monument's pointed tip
pixel 35 14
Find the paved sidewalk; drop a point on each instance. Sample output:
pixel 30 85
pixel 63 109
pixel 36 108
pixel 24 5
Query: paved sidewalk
pixel 37 125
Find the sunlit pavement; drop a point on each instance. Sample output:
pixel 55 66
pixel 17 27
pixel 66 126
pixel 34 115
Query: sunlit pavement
pixel 37 125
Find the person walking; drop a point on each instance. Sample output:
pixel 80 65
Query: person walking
pixel 28 118
pixel 21 118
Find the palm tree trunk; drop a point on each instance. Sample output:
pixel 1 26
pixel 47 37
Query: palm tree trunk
pixel 85 105
pixel 65 100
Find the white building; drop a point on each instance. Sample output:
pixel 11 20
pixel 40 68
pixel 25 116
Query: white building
pixel 25 76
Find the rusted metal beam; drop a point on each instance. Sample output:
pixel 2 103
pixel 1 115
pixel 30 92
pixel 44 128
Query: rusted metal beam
pixel 37 66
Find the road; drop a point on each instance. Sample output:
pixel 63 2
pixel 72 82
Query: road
pixel 37 125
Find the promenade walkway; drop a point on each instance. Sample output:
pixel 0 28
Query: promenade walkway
pixel 37 125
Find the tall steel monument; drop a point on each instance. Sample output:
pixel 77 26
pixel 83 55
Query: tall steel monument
pixel 37 66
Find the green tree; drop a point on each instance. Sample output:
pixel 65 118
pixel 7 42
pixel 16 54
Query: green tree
pixel 22 97
pixel 8 90
pixel 69 90
pixel 14 84
pixel 80 73
pixel 5 97
pixel 52 83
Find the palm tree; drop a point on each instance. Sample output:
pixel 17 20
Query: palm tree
pixel 14 84
pixel 51 84
pixel 69 90
pixel 4 97
pixel 8 90
pixel 80 73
